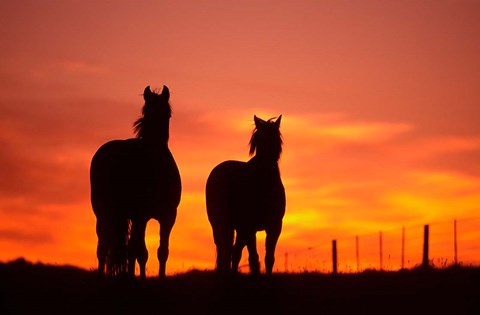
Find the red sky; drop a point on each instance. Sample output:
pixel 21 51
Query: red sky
pixel 380 104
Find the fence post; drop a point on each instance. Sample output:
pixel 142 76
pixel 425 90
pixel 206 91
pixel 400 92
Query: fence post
pixel 357 253
pixel 334 256
pixel 403 247
pixel 381 250
pixel 425 262
pixel 455 241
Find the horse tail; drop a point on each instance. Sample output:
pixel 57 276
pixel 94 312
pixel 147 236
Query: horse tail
pixel 116 255
pixel 113 226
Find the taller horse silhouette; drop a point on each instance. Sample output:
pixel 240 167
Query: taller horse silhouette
pixel 133 181
pixel 247 197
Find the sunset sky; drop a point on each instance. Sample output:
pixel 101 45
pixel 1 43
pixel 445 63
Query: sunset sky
pixel 380 103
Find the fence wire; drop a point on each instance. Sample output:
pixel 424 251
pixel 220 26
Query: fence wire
pixel 454 242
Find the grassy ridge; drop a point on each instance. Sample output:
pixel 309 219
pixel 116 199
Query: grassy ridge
pixel 27 288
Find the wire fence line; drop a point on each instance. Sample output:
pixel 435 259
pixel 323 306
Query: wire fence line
pixel 438 244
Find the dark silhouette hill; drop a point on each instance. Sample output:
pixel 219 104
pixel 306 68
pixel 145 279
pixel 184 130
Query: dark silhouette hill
pixel 27 288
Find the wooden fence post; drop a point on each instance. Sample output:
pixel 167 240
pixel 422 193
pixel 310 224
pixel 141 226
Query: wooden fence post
pixel 403 247
pixel 425 262
pixel 334 256
pixel 357 253
pixel 455 241
pixel 381 250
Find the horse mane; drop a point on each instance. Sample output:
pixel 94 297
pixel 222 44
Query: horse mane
pixel 155 109
pixel 266 136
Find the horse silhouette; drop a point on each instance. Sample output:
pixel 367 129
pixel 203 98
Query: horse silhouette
pixel 133 181
pixel 246 197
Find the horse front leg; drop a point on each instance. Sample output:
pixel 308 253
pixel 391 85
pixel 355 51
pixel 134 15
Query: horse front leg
pixel 273 233
pixel 253 259
pixel 249 239
pixel 166 225
pixel 137 249
pixel 240 242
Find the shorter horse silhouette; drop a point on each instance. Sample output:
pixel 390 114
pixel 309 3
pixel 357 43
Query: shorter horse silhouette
pixel 133 181
pixel 247 197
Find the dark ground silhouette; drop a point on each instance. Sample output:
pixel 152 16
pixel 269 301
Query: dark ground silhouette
pixel 27 288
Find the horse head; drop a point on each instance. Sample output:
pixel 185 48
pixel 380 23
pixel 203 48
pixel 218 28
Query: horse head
pixel 266 140
pixel 156 113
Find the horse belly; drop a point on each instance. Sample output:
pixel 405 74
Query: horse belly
pixel 162 189
pixel 272 207
pixel 222 192
pixel 262 204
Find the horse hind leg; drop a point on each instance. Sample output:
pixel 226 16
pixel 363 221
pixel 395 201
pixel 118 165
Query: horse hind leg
pixel 223 238
pixel 137 249
pixel 250 240
pixel 102 246
pixel 102 250
pixel 240 242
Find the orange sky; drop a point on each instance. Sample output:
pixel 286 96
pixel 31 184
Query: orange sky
pixel 380 104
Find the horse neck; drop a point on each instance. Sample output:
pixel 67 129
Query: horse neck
pixel 154 145
pixel 157 139
pixel 156 135
pixel 264 165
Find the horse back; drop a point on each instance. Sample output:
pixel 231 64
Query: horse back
pixel 240 194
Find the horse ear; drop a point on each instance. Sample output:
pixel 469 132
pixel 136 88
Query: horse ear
pixel 147 93
pixel 165 92
pixel 258 121
pixel 277 122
